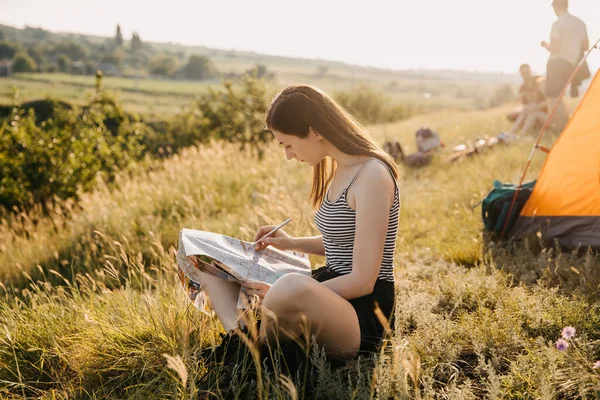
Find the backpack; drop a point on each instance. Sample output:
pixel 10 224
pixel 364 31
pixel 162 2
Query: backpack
pixel 495 206
pixel 427 140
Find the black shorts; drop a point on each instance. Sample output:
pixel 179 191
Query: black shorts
pixel 371 330
pixel 558 72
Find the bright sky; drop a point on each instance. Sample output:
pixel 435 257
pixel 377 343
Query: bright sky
pixel 481 35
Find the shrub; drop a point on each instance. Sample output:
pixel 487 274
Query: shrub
pixel 49 148
pixel 22 62
pixel 234 113
pixel 200 68
pixel 163 65
pixel 370 106
pixel 65 154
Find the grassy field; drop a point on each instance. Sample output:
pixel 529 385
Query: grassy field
pixel 141 85
pixel 148 97
pixel 151 97
pixel 91 306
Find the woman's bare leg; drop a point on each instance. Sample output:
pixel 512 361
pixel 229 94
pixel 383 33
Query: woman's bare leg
pixel 223 299
pixel 296 302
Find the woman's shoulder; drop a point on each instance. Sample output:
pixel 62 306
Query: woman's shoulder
pixel 375 184
pixel 375 174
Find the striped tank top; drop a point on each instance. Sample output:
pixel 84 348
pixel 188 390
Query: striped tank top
pixel 336 221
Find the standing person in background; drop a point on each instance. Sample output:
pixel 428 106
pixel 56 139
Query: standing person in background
pixel 568 39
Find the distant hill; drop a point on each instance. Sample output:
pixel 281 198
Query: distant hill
pixel 159 78
pixel 231 60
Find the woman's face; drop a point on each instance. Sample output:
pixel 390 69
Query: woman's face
pixel 309 149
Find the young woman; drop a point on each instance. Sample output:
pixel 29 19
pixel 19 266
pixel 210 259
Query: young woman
pixel 355 190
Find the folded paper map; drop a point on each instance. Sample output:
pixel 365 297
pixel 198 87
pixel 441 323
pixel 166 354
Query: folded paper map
pixel 230 259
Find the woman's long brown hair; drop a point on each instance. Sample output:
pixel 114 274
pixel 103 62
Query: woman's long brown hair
pixel 298 108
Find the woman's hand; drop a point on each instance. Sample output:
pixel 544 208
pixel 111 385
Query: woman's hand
pixel 258 289
pixel 279 239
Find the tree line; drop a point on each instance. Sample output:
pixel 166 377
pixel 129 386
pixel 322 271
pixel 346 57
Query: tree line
pixel 38 50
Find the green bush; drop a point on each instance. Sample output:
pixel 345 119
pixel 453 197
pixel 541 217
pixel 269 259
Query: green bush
pixel 234 113
pixel 370 106
pixel 22 62
pixel 63 150
pixel 65 154
pixel 200 68
pixel 163 65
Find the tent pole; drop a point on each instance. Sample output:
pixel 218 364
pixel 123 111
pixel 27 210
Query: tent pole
pixel 542 131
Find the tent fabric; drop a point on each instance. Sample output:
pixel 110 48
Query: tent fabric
pixel 570 232
pixel 565 202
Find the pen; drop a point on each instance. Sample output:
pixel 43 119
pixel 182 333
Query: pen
pixel 272 231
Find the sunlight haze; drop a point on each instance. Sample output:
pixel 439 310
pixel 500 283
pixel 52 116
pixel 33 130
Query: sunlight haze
pixel 471 35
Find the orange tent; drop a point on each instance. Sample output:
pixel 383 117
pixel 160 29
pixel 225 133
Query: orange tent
pixel 565 202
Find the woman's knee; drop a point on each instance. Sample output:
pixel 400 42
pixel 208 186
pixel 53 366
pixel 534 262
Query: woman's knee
pixel 287 292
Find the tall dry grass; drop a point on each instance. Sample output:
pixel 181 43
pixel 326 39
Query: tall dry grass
pixel 91 306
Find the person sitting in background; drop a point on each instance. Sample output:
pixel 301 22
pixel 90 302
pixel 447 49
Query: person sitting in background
pixel 527 85
pixel 534 108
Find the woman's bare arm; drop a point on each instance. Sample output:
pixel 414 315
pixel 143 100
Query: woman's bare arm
pixel 310 245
